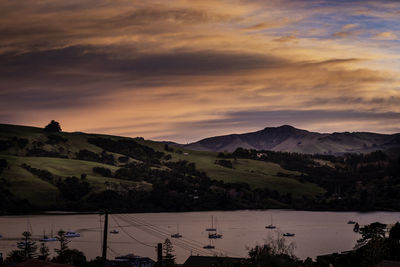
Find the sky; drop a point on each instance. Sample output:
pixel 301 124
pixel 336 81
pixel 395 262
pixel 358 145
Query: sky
pixel 184 70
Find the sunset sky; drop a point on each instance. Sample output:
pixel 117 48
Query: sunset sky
pixel 185 70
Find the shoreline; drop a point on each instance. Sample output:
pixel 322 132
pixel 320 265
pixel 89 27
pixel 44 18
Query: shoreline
pixel 60 213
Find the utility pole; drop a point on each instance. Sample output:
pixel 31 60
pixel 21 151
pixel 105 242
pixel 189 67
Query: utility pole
pixel 105 236
pixel 159 255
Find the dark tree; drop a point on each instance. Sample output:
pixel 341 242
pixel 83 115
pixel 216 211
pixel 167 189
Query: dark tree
pixel 27 249
pixel 373 231
pixel 53 127
pixel 395 231
pixel 72 257
pixel 63 240
pixel 3 165
pixel 168 256
pixel 44 252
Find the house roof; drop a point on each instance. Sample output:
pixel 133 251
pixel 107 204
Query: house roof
pixel 208 261
pixel 389 264
pixel 39 263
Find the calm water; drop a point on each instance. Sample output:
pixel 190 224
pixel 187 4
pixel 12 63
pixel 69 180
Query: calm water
pixel 316 232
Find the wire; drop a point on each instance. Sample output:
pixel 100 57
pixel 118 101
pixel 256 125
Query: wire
pixel 113 251
pixel 156 231
pixel 192 244
pixel 163 236
pixel 140 242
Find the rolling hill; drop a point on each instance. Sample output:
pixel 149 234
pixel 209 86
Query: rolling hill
pixel 289 139
pixel 42 167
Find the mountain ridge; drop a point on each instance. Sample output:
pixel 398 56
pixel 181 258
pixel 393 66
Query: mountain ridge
pixel 287 138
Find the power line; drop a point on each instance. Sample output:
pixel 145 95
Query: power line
pixel 193 244
pixel 113 251
pixel 140 242
pixel 161 235
pixel 156 231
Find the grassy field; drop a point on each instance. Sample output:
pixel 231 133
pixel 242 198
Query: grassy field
pixel 41 193
pixel 257 174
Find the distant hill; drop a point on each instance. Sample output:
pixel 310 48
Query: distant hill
pixel 289 139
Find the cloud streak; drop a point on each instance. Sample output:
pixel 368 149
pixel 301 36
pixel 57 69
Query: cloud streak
pixel 156 69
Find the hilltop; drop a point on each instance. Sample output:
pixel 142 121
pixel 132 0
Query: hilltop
pixel 289 139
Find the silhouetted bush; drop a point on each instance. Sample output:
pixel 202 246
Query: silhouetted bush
pixel 103 171
pixel 123 159
pixel 53 126
pixel 71 188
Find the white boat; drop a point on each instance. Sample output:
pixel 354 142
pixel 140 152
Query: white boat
pixel 115 231
pixel 72 234
pixel 271 225
pixel 177 235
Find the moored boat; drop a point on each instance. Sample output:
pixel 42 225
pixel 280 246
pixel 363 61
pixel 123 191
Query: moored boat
pixel 47 239
pixel 288 234
pixel 177 235
pixel 72 234
pixel 271 225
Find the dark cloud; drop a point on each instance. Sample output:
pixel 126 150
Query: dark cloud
pixel 71 76
pixel 381 101
pixel 93 59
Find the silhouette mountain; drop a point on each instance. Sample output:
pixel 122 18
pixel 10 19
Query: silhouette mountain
pixel 289 139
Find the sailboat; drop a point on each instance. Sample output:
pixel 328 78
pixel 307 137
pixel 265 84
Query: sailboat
pixel 177 235
pixel 214 235
pixel 209 246
pixel 212 225
pixel 270 226
pixel 46 238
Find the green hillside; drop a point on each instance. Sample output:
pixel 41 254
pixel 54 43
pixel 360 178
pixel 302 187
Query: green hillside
pixel 257 174
pixel 33 155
